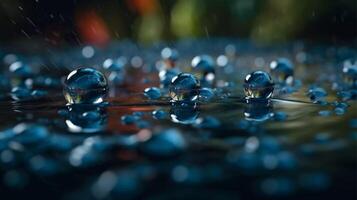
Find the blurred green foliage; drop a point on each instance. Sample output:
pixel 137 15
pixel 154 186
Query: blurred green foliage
pixel 147 21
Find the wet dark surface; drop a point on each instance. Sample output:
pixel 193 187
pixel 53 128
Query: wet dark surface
pixel 299 145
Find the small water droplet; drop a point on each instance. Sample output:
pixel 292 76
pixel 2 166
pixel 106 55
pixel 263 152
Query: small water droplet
pixel 152 93
pixel 282 71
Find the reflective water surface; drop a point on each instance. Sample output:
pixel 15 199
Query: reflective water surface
pixel 291 146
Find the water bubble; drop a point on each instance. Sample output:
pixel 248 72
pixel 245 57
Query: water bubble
pixel 113 65
pixel 207 122
pixel 205 65
pixel 84 156
pixel 116 78
pixel 152 93
pixel 184 87
pixel 170 56
pixel 222 60
pixel 280 116
pixel 30 133
pixel 282 70
pixel 159 114
pixel 324 113
pixel 339 111
pixel 169 142
pixel 85 86
pixel 166 77
pixel 136 62
pixel 20 69
pixel 258 86
pixel 138 113
pixel 206 94
pixel 129 119
pixel 317 94
pixel 20 93
pixel 350 73
pixel 88 51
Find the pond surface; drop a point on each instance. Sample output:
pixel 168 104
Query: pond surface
pixel 131 147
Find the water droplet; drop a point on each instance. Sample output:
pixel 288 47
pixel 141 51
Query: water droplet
pixel 166 77
pixel 116 78
pixel 152 93
pixel 258 86
pixel 207 122
pixel 350 73
pixel 159 114
pixel 170 56
pixel 85 86
pixel 20 69
pixel 129 119
pixel 20 93
pixel 29 133
pixel 280 116
pixel 339 111
pixel 222 61
pixel 114 65
pixel 169 142
pixel 206 94
pixel 317 94
pixel 282 71
pixel 88 51
pixel 184 87
pixel 204 64
pixel 325 113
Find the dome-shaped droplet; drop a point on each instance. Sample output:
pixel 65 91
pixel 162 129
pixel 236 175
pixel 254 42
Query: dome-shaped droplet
pixel 204 64
pixel 317 94
pixel 258 85
pixel 166 143
pixel 184 87
pixel 166 77
pixel 114 64
pixel 282 70
pixel 152 93
pixel 85 86
pixel 350 73
pixel 20 69
pixel 169 56
pixel 206 94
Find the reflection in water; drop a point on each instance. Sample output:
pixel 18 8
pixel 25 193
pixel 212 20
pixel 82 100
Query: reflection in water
pixel 86 118
pixel 258 111
pixel 184 113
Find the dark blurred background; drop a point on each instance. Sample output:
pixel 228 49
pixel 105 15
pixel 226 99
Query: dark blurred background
pixel 78 22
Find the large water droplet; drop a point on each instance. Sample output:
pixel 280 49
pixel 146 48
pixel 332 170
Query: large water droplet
pixel 184 87
pixel 258 86
pixel 85 86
